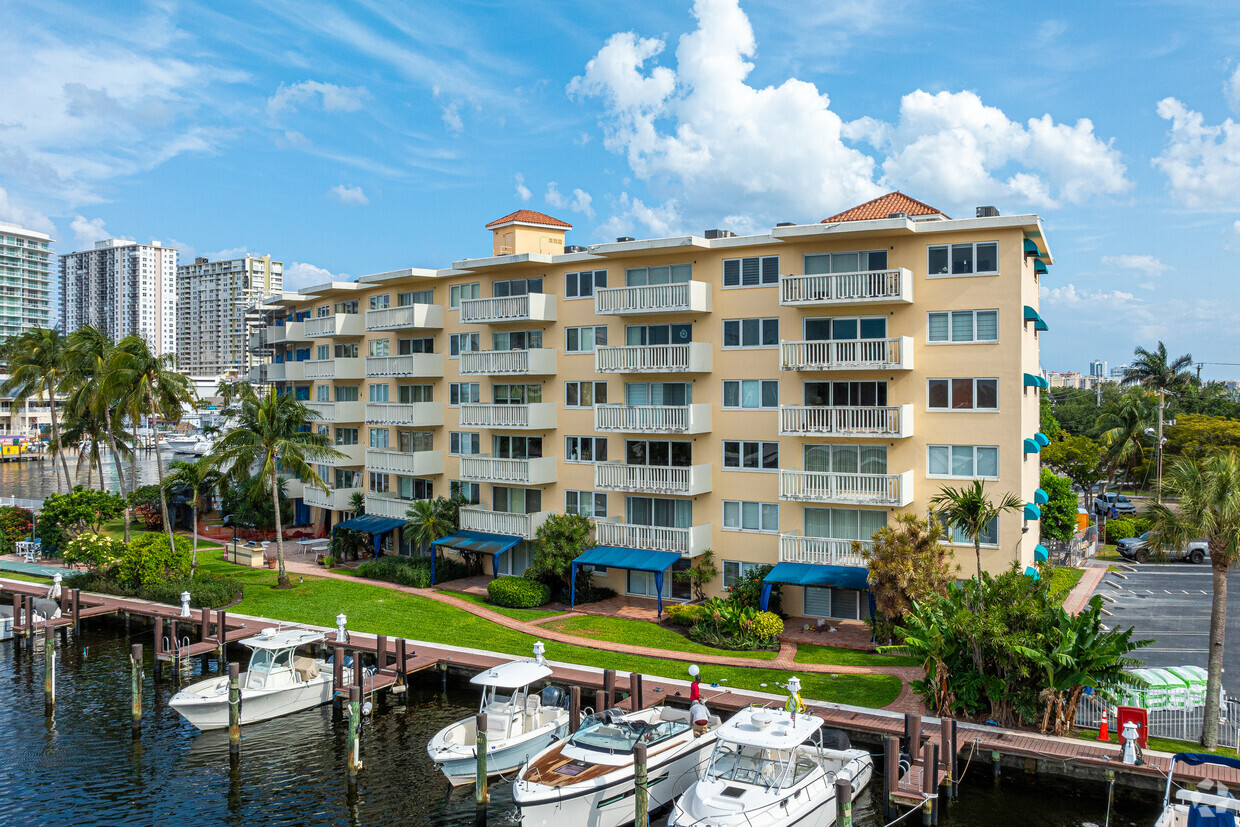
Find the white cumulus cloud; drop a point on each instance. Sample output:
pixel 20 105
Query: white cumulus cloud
pixel 87 231
pixel 523 192
pixel 350 195
pixel 332 98
pixel 1231 90
pixel 580 202
pixel 633 217
pixel 30 219
pixel 1072 296
pixel 302 274
pixel 1145 264
pixel 452 119
pixel 1201 162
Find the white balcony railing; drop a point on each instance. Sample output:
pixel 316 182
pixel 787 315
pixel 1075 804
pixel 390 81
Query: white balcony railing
pixel 346 367
pixel 480 468
pixel 339 324
pixel 821 551
pixel 416 414
pixel 539 416
pixel 535 362
pixel 259 374
pixel 257 339
pixel 286 371
pixel 413 316
pixel 684 297
pixel 847 288
pixel 854 354
pixel 353 455
pixel 413 365
pixel 653 479
pixel 823 420
pixel 532 307
pixel 501 522
pixel 287 332
pixel 382 505
pixel 337 412
pixel 694 357
pixel 687 541
pixel 653 419
pixel 891 490
pixel 336 499
pixel 415 464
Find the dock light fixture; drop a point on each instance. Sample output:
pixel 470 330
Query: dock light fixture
pixel 184 604
pixel 694 671
pixel 342 634
pixel 539 649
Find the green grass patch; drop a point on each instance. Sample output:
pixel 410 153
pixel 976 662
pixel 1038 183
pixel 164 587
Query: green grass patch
pixel 29 578
pixel 1108 552
pixel 516 614
pixel 837 656
pixel 643 633
pixel 377 610
pixel 1064 580
pixel 1160 744
pixel 116 528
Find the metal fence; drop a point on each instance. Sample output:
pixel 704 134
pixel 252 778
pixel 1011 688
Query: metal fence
pixel 1083 544
pixel 17 502
pixel 1182 724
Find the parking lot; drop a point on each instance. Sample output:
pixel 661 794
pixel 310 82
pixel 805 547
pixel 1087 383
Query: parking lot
pixel 1170 603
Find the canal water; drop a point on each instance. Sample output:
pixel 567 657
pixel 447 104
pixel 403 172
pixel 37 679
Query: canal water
pixel 34 480
pixel 81 767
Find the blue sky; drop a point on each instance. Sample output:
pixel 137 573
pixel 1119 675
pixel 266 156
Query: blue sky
pixel 355 138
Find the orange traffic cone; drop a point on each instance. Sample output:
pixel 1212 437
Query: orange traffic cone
pixel 1103 735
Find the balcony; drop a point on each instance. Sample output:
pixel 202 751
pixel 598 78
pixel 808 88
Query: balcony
pixel 854 354
pixel 415 464
pixel 539 416
pixel 335 499
pixel 535 362
pixel 410 317
pixel 890 490
pixel 823 420
pixel 501 522
pixel 532 307
pixel 382 505
pixel 652 419
pixel 257 339
pixel 685 481
pixel 337 325
pixel 338 412
pixel 694 357
pixel 821 551
pixel 413 365
pixel 354 455
pixel 535 471
pixel 685 297
pixel 687 541
pixel 836 289
pixel 258 374
pixel 287 332
pixel 413 414
pixel 286 371
pixel 346 367
pixel 294 489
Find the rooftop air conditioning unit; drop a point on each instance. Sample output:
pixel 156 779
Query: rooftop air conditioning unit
pixel 987 212
pixel 786 224
pixel 624 238
pixel 574 248
pixel 720 234
pixel 897 215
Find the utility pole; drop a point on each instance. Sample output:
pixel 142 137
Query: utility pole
pixel 1161 397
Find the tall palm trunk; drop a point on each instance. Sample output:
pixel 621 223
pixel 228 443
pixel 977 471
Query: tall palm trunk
pixel 64 463
pixel 193 560
pixel 159 470
pixel 77 468
pixel 977 549
pixel 1214 665
pixel 120 480
pixel 282 578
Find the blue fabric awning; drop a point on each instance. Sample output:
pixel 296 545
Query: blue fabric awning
pixel 1031 247
pixel 1032 381
pixel 1041 497
pixel 1042 439
pixel 1041 325
pixel 1032 512
pixel 619 557
pixel 1032 446
pixel 1039 267
pixel 1040 553
pixel 1030 571
pixel 809 574
pixel 371 524
pixel 479 541
pixel 1031 315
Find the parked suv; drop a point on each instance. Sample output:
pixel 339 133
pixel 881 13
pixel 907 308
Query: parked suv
pixel 1137 548
pixel 1103 503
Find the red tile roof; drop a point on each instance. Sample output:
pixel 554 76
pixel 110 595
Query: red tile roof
pixel 884 206
pixel 529 217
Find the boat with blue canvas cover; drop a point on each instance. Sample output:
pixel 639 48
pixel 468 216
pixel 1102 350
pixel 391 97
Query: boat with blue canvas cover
pixel 1200 807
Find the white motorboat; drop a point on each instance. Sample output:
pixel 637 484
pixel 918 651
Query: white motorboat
pixel 6 622
pixel 520 723
pixel 203 446
pixel 1191 808
pixel 587 779
pixel 277 682
pixel 770 768
pixel 181 444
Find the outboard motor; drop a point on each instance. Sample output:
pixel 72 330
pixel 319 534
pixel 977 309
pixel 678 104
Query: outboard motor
pixel 551 696
pixel 835 739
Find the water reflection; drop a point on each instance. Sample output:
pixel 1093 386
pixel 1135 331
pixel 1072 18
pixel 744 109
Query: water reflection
pixel 36 479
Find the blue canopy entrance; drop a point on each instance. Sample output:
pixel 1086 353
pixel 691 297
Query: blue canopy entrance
pixel 811 574
pixel 479 542
pixel 371 524
pixel 633 559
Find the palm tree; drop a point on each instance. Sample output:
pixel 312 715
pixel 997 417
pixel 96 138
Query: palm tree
pixel 165 392
pixel 267 440
pixel 36 360
pixel 428 520
pixel 1123 437
pixel 200 477
pixel 970 509
pixel 1208 490
pixel 1153 370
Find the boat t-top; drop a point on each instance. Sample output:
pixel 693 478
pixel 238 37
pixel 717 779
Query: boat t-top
pixel 277 682
pixel 1191 808
pixel 520 722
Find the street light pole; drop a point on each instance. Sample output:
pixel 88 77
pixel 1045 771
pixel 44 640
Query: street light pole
pixel 1160 444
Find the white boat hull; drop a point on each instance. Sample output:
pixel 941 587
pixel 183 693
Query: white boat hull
pixel 181 446
pixel 205 704
pixel 460 763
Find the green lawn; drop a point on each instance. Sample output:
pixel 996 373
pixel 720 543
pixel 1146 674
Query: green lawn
pixel 374 609
pixel 32 578
pixel 643 633
pixel 1108 552
pixel 1160 744
pixel 1064 580
pixel 837 656
pixel 516 614
pixel 116 528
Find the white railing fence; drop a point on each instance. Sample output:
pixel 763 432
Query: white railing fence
pixel 848 353
pixel 1180 724
pixel 819 419
pixel 841 287
pixel 825 486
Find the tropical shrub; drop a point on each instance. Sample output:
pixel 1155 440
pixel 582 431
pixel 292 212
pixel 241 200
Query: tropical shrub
pixel 1124 527
pixel 1059 511
pixel 212 591
pixel 64 516
pixel 729 625
pixel 561 539
pixel 907 564
pixel 748 590
pixel 148 560
pixel 518 593
pixel 15 524
pixel 684 614
pixel 700 572
pixel 97 552
pixel 767 626
pixel 406 571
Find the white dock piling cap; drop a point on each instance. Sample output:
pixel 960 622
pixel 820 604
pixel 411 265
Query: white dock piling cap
pixel 184 604
pixel 794 684
pixel 539 649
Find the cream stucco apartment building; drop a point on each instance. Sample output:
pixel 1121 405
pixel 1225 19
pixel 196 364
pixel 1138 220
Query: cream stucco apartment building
pixel 770 397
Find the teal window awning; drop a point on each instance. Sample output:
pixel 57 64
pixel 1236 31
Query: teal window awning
pixel 1041 497
pixel 1039 267
pixel 809 574
pixel 1040 553
pixel 1032 446
pixel 1032 512
pixel 1041 325
pixel 1030 571
pixel 1032 381
pixel 634 559
pixel 1032 315
pixel 1042 439
pixel 1031 247
pixel 371 524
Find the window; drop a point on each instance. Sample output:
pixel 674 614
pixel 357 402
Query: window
pixel 674 274
pixel 323 352
pixel 471 491
pixel 322 311
pixel 464 442
pixel 663 453
pixel 411 442
pixel 751 516
pixel 516 447
pixel 458 342
pixel 463 393
pixel 346 436
pixel 347 478
pixel 380 302
pixel 828 601
pixel 377 347
pixel 527 394
pixel 378 393
pixel 751 394
pixel 865 261
pixel 322 393
pixel 412 394
pixel 656 511
pixel 405 347
pixel 750 333
pixel 584 394
pixel 750 456
pixel 585 503
pixel 845 394
pixel 516 500
pixel 755 271
pixel 581 285
pixel 379 438
pixel 957 534
pixel 416 297
pixel 516 287
pixel 658 393
pixel 963 461
pixel 584 339
pixel 461 292
pixel 846 459
pixel 346 393
pixel 347 350
pixel 981 258
pixel 734 570
pixel 378 483
pixel 846 329
pixel 963 326
pixel 415 488
pixel 842 523
pixel 963 394
pixel 348 308
pixel 516 340
pixel 658 334
pixel 585 449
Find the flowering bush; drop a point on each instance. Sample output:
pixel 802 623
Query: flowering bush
pixel 97 552
pixel 15 524
pixel 748 590
pixel 730 625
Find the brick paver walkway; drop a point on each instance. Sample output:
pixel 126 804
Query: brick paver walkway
pixel 1078 598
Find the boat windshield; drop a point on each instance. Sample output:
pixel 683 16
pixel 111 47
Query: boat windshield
pixel 760 767
pixel 621 736
pixel 267 660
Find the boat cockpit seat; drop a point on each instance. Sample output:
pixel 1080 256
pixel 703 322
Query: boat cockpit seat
pixel 671 713
pixel 306 668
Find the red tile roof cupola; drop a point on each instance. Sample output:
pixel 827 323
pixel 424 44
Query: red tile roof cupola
pixel 529 217
pixel 883 207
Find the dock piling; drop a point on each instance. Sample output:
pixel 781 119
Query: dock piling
pixel 609 687
pixel 994 766
pixel 954 760
pixel 641 791
pixel 928 769
pixel 159 646
pixel 934 782
pixel 28 613
pixel 574 708
pixel 234 709
pixel 354 756
pixel 443 677
pixel 635 691
pixel 891 774
pixel 402 665
pixel 337 681
pixel 843 800
pixel 77 611
pixel 205 631
pixel 600 701
pixel 49 666
pixel 135 690
pixel 221 633
pixel 481 795
pixel 381 660
pixel 18 604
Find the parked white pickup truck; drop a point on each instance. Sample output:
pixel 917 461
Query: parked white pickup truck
pixel 1136 548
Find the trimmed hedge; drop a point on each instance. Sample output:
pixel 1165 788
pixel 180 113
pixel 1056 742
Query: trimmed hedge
pixel 404 571
pixel 211 591
pixel 1124 527
pixel 517 593
pixel 684 614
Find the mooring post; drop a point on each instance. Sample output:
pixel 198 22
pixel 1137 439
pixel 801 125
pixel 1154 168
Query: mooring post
pixel 221 633
pixel 443 677
pixel 205 632
pixel 402 662
pixel 600 701
pixel 358 672
pixel 635 691
pixel 29 614
pixel 574 708
pixel 18 604
pixel 891 773
pixel 135 690
pixel 481 795
pixel 609 686
pixel 843 798
pixel 641 791
pixel 927 784
pixel 994 766
pixel 934 782
pixel 77 611
pixel 912 736
pixel 159 646
pixel 234 709
pixel 354 756
pixel 337 681
pixel 380 653
pixel 62 598
pixel 955 760
pixel 1110 776
pixel 49 666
